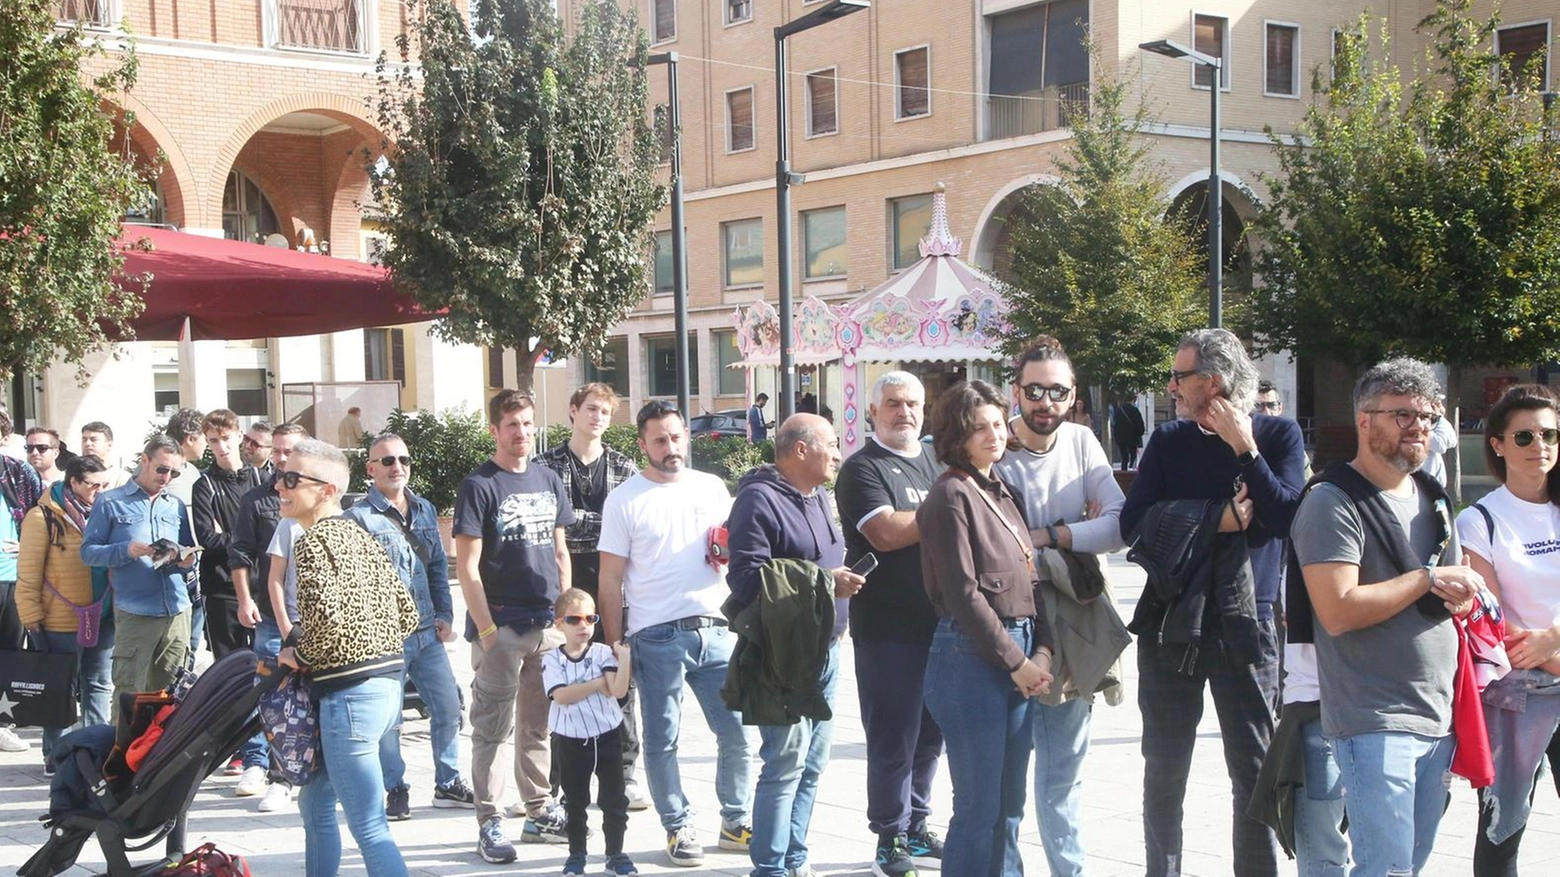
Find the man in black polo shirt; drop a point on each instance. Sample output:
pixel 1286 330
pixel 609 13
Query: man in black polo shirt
pixel 891 622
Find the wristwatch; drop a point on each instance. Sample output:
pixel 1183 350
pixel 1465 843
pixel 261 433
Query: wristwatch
pixel 1247 458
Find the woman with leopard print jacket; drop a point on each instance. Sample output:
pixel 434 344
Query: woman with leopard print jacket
pixel 355 616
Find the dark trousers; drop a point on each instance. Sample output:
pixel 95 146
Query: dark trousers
pixel 1172 705
pixel 1500 859
pixel 576 760
pixel 1128 453
pixel 10 619
pixel 223 632
pixel 586 576
pixel 903 740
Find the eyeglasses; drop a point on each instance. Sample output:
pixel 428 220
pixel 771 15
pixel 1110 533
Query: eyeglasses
pixel 388 461
pixel 1524 437
pixel 1269 406
pixel 1038 392
pixel 581 619
pixel 1406 417
pixel 39 449
pixel 291 480
pixel 168 471
pixel 1178 376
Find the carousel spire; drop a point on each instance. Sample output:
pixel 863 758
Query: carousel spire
pixel 939 241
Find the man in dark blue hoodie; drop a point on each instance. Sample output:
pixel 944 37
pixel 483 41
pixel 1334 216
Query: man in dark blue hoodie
pixel 782 511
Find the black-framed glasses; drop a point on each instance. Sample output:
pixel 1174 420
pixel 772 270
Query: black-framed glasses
pixel 168 471
pixel 291 480
pixel 39 449
pixel 1524 437
pixel 1038 392
pixel 581 619
pixel 390 460
pixel 1269 406
pixel 1177 376
pixel 1407 417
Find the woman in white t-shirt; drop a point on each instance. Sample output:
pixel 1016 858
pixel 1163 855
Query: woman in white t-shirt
pixel 1520 561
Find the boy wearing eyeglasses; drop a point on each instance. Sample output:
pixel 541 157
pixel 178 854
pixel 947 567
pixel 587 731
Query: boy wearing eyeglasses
pixel 584 681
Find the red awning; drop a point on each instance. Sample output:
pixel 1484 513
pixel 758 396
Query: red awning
pixel 231 290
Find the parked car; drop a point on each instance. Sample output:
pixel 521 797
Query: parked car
pixel 721 424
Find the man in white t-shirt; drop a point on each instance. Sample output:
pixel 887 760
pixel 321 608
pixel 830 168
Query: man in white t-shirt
pixel 655 538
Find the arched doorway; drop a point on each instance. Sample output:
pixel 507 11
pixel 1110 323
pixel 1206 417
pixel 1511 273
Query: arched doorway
pixel 1190 208
pixel 247 214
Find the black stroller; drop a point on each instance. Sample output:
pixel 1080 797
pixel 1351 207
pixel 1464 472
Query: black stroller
pixel 200 735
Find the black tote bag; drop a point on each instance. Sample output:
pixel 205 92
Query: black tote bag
pixel 37 687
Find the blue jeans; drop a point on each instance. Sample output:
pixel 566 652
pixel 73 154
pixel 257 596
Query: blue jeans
pixel 1321 847
pixel 987 728
pixel 793 757
pixel 94 679
pixel 352 722
pixel 429 666
pixel 1061 736
pixel 1396 795
pixel 665 659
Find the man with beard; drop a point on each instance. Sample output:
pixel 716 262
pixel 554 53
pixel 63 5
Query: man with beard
pixel 891 622
pixel 257 448
pixel 1256 465
pixel 1069 495
pixel 656 533
pixel 1384 574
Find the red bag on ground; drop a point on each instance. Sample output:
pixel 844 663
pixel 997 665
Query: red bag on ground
pixel 208 861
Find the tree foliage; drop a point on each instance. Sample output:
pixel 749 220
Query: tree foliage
pixel 520 173
pixel 1419 218
pixel 64 185
pixel 1096 263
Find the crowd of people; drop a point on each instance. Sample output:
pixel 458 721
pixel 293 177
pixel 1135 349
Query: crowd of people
pixel 1326 614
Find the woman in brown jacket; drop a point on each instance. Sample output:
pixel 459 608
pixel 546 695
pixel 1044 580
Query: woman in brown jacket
pixel 52 583
pixel 992 650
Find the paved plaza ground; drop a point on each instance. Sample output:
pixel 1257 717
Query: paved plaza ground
pixel 442 842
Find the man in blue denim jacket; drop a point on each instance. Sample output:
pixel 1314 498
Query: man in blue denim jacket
pixel 408 528
pixel 151 599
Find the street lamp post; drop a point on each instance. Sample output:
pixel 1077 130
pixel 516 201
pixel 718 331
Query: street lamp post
pixel 784 179
pixel 1172 49
pixel 679 236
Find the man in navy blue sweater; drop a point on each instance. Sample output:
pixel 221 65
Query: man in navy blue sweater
pixel 1200 456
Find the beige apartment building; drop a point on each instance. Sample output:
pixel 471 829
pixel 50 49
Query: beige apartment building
pixel 886 103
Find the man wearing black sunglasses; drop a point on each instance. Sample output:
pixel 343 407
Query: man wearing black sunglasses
pixel 151 600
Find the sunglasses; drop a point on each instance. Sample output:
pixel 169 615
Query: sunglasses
pixel 1406 417
pixel 581 619
pixel 39 449
pixel 1524 437
pixel 388 461
pixel 94 485
pixel 168 471
pixel 251 443
pixel 1178 376
pixel 291 480
pixel 1037 392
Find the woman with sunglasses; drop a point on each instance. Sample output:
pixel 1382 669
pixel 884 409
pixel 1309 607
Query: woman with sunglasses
pixel 354 616
pixel 1520 562
pixel 54 587
pixel 991 651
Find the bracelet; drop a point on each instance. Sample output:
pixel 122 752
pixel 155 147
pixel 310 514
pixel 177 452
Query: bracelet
pixel 1430 571
pixel 488 631
pixel 1050 533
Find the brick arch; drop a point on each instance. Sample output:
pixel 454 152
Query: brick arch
pixel 150 135
pixel 990 236
pixel 346 220
pixel 348 110
pixel 273 184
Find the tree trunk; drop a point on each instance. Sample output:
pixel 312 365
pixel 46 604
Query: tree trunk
pixel 1453 410
pixel 525 370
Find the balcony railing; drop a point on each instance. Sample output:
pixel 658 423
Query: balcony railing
pixel 321 25
pixel 1050 108
pixel 91 13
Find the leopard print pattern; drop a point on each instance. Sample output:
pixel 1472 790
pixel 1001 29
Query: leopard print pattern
pixel 354 607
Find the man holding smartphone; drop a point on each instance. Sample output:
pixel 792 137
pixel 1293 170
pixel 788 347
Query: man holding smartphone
pixel 891 622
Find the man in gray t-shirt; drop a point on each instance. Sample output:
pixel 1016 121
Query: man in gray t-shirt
pixel 1386 647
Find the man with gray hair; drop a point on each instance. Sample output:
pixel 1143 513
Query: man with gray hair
pixel 891 621
pixel 141 532
pixel 1383 576
pixel 1255 466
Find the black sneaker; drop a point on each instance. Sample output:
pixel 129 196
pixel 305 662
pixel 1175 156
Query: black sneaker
pixel 398 804
pixel 893 857
pixel 682 848
pixel 925 847
pixel 456 794
pixel 492 846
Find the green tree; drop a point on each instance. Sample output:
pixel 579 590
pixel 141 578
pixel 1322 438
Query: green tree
pixel 1095 261
pixel 63 188
pixel 520 173
pixel 1416 217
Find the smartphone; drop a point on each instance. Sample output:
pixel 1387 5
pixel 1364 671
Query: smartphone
pixel 865 565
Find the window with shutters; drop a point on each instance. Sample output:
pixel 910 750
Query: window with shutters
pixel 1211 36
pixel 739 119
pixel 663 20
pixel 384 355
pixel 822 106
pixel 738 11
pixel 1524 51
pixel 1281 60
pixel 912 82
pixel 495 367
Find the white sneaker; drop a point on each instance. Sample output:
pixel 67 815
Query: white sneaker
pixel 252 783
pixel 9 742
pixel 636 797
pixel 515 811
pixel 278 795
